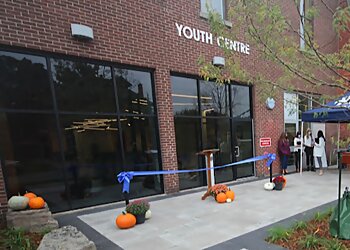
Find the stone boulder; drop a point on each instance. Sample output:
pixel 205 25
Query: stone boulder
pixel 66 238
pixel 32 220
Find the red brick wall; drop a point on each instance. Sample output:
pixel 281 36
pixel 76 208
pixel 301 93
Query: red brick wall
pixel 141 33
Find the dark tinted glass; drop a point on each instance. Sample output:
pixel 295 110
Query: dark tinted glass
pixel 24 82
pixel 240 101
pixel 30 155
pixel 214 99
pixel 141 153
pixel 187 132
pixel 92 152
pixel 135 93
pixel 83 86
pixel 185 96
pixel 244 147
pixel 217 135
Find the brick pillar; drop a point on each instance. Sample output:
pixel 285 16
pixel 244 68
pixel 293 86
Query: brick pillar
pixel 267 123
pixel 3 200
pixel 166 128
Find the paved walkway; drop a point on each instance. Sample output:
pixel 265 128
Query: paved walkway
pixel 187 222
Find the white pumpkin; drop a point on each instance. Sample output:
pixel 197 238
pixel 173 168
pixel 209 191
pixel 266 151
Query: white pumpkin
pixel 269 186
pixel 18 202
pixel 148 214
pixel 228 200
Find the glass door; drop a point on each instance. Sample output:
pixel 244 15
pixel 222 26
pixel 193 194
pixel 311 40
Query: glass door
pixel 243 148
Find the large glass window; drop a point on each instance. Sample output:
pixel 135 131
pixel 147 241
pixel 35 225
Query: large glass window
pixel 63 136
pixel 30 155
pixel 141 152
pixel 24 82
pixel 185 96
pixel 134 91
pixel 209 117
pixel 214 99
pixel 92 153
pixel 83 87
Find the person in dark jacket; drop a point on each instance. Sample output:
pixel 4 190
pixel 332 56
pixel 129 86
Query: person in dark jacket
pixel 284 151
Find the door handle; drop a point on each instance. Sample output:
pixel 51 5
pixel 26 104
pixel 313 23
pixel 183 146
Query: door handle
pixel 237 151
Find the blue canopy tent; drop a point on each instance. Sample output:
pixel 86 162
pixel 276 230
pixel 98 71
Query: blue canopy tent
pixel 337 111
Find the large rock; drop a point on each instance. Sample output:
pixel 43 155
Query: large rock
pixel 66 238
pixel 32 220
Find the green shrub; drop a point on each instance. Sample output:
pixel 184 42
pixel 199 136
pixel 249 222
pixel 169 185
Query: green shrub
pixel 299 225
pixel 16 240
pixel 278 233
pixel 320 216
pixel 310 242
pixel 334 245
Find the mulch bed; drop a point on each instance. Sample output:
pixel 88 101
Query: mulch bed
pixel 318 228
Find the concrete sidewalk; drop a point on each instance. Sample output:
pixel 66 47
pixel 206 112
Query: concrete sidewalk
pixel 187 222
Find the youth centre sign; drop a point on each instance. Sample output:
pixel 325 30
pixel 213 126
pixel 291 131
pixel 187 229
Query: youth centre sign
pixel 208 38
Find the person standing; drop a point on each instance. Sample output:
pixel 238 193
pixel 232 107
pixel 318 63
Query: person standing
pixel 309 150
pixel 297 151
pixel 284 151
pixel 320 151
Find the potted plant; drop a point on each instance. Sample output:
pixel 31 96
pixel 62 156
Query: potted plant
pixel 139 209
pixel 279 182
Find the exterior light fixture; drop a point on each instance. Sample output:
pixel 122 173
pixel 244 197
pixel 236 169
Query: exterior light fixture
pixel 270 103
pixel 218 61
pixel 82 32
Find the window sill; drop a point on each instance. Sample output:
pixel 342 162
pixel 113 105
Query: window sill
pixel 206 16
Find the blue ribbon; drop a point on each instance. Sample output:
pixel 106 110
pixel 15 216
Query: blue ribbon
pixel 126 177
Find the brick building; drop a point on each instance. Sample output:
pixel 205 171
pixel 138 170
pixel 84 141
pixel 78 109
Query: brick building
pixel 75 112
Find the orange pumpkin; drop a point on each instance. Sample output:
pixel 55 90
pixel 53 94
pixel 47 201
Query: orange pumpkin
pixel 230 195
pixel 36 203
pixel 30 195
pixel 221 197
pixel 125 220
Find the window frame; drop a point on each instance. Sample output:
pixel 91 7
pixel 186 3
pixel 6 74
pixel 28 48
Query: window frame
pixel 204 13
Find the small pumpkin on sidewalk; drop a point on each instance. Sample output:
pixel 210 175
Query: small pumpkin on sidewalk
pixel 230 194
pixel 125 220
pixel 221 197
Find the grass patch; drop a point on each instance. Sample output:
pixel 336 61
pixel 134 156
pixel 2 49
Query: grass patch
pixel 18 239
pixel 299 225
pixel 278 234
pixel 310 242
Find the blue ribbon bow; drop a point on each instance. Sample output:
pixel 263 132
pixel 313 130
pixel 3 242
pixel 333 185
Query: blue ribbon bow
pixel 125 177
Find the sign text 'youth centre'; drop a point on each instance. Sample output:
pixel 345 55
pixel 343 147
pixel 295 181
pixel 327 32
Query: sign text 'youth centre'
pixel 207 37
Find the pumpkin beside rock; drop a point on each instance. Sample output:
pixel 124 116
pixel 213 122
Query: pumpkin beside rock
pixel 36 203
pixel 18 202
pixel 125 220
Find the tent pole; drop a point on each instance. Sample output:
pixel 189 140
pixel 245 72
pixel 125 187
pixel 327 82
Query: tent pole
pixel 339 181
pixel 338 139
pixel 301 149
